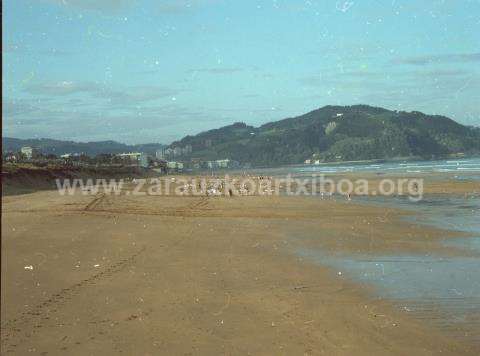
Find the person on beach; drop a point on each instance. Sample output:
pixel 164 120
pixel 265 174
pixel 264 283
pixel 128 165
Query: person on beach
pixel 415 187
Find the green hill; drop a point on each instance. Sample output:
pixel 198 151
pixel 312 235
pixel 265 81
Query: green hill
pixel 59 147
pixel 332 133
pixel 337 133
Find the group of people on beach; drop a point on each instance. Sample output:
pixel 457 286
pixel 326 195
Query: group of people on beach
pixel 216 186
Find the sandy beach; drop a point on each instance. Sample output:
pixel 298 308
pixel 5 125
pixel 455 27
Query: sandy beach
pixel 209 177
pixel 104 275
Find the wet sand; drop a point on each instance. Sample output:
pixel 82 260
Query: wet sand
pixel 203 275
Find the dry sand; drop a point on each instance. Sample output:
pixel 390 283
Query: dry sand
pixel 201 275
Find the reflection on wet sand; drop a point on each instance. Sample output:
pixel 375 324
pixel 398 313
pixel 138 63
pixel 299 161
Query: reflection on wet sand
pixel 443 290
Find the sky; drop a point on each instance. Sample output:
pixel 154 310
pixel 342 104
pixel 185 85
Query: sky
pixel 138 71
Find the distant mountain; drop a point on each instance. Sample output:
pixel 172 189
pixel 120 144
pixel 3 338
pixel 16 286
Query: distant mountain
pixel 332 133
pixel 58 147
pixel 337 133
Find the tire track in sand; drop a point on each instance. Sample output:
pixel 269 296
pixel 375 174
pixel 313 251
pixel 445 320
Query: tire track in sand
pixel 18 330
pixel 95 202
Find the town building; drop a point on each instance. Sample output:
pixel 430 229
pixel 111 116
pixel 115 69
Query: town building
pixel 160 154
pixel 144 160
pixel 11 157
pixel 175 166
pixel 29 152
pixel 136 158
pixel 177 151
pixel 133 156
pixel 222 164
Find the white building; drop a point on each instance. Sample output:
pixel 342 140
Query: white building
pixel 133 156
pixel 175 165
pixel 28 151
pixel 143 160
pixel 160 154
pixel 222 164
pixel 138 158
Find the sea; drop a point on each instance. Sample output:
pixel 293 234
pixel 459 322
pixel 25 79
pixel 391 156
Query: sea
pixel 471 166
pixel 466 168
pixel 443 290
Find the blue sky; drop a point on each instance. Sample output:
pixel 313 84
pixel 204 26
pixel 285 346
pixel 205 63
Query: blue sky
pixel 154 71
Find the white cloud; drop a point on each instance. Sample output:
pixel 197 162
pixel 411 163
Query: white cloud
pixel 96 5
pixel 61 88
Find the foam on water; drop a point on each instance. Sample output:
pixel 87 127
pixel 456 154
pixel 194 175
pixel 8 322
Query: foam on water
pixel 464 165
pixel 465 168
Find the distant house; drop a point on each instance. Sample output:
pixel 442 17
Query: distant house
pixel 222 164
pixel 175 166
pixel 177 151
pixel 29 152
pixel 133 156
pixel 227 163
pixel 136 158
pixel 160 154
pixel 143 160
pixel 11 157
pixel 164 153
